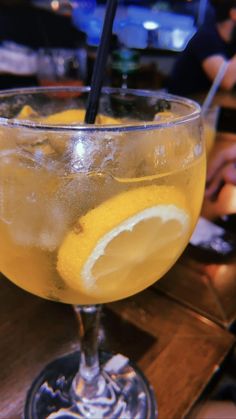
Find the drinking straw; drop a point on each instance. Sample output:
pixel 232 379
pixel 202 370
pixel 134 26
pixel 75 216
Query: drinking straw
pixel 214 87
pixel 100 62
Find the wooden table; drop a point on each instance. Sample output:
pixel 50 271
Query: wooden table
pixel 209 287
pixel 177 349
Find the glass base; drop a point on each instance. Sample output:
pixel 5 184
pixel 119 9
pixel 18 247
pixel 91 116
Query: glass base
pixel 128 394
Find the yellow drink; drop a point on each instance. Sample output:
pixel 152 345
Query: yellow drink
pixel 210 127
pixel 209 135
pixel 43 203
pixel 91 214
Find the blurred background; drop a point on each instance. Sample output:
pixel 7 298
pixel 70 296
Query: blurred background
pixel 47 42
pixel 51 42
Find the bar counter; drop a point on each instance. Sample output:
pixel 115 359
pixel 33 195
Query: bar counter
pixel 177 349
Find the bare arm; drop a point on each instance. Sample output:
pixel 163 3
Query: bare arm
pixel 211 66
pixel 221 170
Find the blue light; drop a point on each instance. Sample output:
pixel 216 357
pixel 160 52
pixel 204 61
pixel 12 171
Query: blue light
pixel 87 6
pixel 133 24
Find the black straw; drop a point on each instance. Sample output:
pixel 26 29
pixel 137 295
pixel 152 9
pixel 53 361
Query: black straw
pixel 100 62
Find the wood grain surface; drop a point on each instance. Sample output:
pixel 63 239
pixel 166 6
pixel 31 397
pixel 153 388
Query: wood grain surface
pixel 176 349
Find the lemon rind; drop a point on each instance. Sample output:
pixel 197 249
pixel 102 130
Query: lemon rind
pixel 159 211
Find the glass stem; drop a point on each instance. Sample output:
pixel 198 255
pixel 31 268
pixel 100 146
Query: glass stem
pixel 87 381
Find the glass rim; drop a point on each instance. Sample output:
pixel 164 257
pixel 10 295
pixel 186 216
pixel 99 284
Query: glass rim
pixel 194 108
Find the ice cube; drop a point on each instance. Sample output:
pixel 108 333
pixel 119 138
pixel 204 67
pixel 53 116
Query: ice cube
pixel 28 201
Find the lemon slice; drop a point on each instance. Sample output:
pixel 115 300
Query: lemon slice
pixel 76 116
pixel 69 116
pixel 27 113
pixel 107 120
pixel 126 243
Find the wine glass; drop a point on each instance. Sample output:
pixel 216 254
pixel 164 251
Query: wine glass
pixel 91 214
pixel 210 119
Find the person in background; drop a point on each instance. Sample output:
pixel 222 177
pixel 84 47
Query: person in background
pixel 214 43
pixel 221 170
